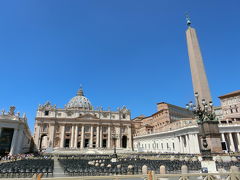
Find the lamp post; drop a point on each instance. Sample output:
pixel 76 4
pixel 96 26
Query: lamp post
pixel 204 114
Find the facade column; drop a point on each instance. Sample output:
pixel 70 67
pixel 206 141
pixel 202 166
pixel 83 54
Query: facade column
pixel 76 137
pixel 14 142
pixel 62 137
pixel 232 148
pixel 118 133
pixel 129 145
pixel 0 131
pixel 51 139
pixel 37 136
pixel 101 139
pixel 82 137
pixel 91 137
pixel 109 137
pixel 97 137
pixel 238 140
pixel 72 136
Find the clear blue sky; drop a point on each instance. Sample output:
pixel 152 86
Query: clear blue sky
pixel 128 52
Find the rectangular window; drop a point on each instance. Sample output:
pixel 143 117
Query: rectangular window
pixel 46 113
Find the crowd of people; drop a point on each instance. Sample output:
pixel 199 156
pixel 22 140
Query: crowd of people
pixel 16 157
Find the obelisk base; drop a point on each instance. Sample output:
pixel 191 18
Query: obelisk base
pixel 213 136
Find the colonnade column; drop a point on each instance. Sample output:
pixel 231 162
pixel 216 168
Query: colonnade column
pixel 97 137
pixel 177 147
pixel 82 137
pixel 100 137
pixel 20 141
pixel 196 139
pixel 179 143
pixel 224 140
pixel 76 137
pixel 62 137
pixel 194 143
pixel 191 143
pixel 187 136
pixel 223 137
pixel 72 136
pixel 232 148
pixel 238 138
pixel 182 144
pixel 91 137
pixel 109 137
pixel 14 142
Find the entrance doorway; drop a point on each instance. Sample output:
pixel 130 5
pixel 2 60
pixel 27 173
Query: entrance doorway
pixel 104 143
pixel 43 141
pixel 86 144
pixel 124 141
pixel 67 141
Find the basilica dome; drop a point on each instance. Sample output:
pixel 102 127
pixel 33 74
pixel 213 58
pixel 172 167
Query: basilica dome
pixel 79 102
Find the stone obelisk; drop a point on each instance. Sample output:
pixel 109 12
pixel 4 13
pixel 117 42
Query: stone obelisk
pixel 199 78
pixel 200 86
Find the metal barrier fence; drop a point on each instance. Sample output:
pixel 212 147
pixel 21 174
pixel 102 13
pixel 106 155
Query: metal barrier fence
pixel 152 176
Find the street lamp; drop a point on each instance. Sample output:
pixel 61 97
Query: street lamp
pixel 204 114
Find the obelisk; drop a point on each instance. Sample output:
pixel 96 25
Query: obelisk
pixel 199 78
pixel 200 86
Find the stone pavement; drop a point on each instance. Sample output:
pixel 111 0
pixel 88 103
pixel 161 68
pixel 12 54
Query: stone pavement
pixel 58 170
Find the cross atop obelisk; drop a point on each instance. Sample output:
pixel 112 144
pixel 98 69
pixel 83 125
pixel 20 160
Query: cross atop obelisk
pixel 199 78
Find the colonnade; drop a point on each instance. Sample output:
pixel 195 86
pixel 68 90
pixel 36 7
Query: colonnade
pixel 187 143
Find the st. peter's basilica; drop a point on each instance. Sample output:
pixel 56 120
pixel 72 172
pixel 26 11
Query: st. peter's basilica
pixel 78 125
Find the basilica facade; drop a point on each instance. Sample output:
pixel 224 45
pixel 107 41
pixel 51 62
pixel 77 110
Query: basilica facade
pixel 78 126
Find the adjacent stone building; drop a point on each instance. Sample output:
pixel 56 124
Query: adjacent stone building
pixel 78 125
pixel 230 107
pixel 166 114
pixel 15 136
